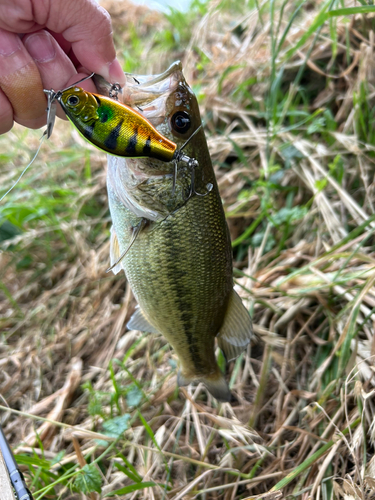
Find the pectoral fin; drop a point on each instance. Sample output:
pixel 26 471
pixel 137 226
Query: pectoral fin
pixel 115 266
pixel 114 252
pixel 237 330
pixel 139 322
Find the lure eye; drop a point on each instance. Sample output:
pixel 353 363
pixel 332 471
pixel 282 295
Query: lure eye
pixel 181 122
pixel 72 100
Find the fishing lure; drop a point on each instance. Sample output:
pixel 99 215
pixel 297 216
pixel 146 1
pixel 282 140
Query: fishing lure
pixel 115 128
pixel 112 126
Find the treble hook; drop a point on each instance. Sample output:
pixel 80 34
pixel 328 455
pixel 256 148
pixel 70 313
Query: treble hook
pixel 191 163
pixel 209 187
pixel 180 156
pixel 114 90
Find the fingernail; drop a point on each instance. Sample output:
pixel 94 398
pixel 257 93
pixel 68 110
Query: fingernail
pixel 40 47
pixel 116 73
pixel 9 43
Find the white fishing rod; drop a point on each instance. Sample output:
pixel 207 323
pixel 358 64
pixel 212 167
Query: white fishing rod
pixel 15 475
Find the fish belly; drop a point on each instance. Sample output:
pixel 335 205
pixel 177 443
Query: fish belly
pixel 180 271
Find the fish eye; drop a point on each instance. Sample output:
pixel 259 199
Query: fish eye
pixel 181 122
pixel 72 100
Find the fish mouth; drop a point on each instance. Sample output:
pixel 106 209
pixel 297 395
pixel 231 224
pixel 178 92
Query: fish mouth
pixel 149 187
pixel 147 93
pixel 156 84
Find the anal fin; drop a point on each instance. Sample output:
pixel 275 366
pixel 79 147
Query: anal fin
pixel 237 330
pixel 139 322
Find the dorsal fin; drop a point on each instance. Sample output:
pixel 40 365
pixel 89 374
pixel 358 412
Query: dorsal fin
pixel 237 330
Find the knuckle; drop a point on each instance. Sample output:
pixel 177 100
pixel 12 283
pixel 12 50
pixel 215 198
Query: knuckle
pixel 104 23
pixel 106 16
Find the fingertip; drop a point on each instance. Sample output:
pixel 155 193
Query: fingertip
pixel 116 73
pixel 41 46
pixel 60 113
pixel 113 73
pixel 34 124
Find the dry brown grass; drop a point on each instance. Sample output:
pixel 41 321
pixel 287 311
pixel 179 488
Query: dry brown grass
pixel 312 298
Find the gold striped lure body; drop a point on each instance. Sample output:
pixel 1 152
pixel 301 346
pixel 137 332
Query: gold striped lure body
pixel 119 129
pixel 114 127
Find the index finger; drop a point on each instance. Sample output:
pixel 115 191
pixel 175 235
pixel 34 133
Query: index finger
pixel 87 26
pixel 82 23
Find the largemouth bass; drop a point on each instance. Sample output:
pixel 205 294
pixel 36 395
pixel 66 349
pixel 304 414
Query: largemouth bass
pixel 170 236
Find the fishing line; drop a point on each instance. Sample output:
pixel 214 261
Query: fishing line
pixel 191 137
pixel 51 113
pixel 179 155
pixel 24 170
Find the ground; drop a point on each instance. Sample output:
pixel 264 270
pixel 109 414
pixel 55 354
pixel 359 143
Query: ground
pixel 286 92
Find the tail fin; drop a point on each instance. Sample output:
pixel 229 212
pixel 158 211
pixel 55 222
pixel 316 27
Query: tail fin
pixel 216 384
pixel 218 387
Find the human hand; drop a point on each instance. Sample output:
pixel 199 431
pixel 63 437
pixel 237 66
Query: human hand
pixel 63 41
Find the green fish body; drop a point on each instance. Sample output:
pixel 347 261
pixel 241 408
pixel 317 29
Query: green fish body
pixel 178 257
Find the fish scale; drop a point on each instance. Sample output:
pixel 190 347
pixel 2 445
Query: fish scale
pixel 180 278
pixel 180 264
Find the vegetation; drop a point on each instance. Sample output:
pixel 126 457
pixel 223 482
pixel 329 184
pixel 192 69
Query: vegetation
pixel 287 93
